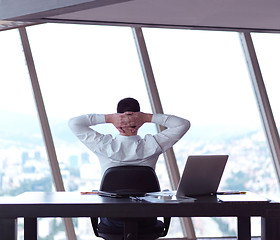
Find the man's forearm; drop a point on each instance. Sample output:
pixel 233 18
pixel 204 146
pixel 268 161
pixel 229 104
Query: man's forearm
pixel 170 121
pixel 148 117
pixel 81 124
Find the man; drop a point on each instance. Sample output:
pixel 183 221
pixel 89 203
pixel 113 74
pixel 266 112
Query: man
pixel 128 148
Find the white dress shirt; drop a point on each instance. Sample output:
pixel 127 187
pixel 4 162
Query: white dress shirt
pixel 128 150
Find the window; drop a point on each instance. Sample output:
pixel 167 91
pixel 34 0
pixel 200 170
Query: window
pixel 86 69
pixel 268 53
pixel 202 76
pixel 22 150
pixel 24 164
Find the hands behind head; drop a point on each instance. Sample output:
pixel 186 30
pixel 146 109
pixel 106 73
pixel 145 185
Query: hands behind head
pixel 130 120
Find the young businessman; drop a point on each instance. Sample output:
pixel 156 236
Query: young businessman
pixel 128 148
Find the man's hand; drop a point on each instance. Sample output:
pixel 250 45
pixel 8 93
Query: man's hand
pixel 133 120
pixel 119 120
pixel 137 119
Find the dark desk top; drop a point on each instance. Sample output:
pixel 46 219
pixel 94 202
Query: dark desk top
pixel 75 204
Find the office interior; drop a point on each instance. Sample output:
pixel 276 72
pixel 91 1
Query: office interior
pixel 214 63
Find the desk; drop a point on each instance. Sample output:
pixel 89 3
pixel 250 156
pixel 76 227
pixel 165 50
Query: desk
pixel 32 205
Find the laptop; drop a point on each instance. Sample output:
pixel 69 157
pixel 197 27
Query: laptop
pixel 202 175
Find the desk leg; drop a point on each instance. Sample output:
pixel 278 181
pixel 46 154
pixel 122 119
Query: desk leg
pixel 30 229
pixel 8 229
pixel 130 230
pixel 244 228
pixel 270 228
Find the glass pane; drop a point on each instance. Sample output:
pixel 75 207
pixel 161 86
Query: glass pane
pixel 202 76
pixel 268 53
pixel 24 163
pixel 85 69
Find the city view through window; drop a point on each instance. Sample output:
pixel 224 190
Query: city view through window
pixel 201 76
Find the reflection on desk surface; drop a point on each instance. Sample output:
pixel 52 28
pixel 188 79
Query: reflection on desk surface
pixel 166 196
pixel 163 199
pixel 244 197
pixel 227 196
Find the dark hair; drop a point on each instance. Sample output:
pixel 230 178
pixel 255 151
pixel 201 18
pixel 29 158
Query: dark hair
pixel 128 105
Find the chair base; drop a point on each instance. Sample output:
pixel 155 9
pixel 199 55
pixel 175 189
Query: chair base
pixel 121 237
pixel 130 229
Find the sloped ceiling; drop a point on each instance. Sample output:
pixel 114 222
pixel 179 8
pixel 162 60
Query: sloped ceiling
pixel 204 14
pixel 235 15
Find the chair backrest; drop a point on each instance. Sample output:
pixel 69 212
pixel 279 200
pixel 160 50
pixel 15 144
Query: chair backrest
pixel 130 179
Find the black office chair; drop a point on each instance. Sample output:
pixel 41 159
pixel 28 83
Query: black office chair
pixel 135 180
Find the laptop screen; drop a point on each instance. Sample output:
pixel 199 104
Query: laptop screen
pixel 202 175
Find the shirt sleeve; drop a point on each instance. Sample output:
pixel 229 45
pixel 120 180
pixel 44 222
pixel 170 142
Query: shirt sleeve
pixel 176 128
pixel 81 127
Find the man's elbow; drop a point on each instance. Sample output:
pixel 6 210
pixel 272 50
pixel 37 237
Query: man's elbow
pixel 187 125
pixel 72 123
